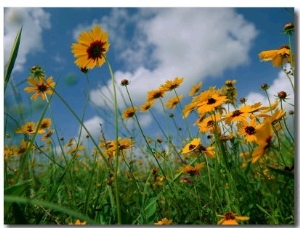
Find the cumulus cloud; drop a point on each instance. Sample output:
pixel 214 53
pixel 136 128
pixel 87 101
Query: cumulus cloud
pixel 194 43
pixel 33 21
pixel 93 126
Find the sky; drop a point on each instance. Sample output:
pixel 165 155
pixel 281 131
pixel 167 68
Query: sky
pixel 148 45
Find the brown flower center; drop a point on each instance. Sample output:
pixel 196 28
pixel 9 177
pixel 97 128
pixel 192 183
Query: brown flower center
pixel 250 130
pixel 229 216
pixel 95 50
pixel 211 101
pixel 42 88
pixel 191 146
pixel 236 113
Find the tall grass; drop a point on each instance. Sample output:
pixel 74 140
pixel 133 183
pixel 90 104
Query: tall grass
pixel 234 163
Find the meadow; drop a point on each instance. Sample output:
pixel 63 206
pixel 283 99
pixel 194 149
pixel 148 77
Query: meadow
pixel 237 167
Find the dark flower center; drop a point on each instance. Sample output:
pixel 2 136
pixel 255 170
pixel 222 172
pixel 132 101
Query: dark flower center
pixel 210 123
pixel 229 216
pixel 250 130
pixel 29 129
pixel 95 50
pixel 42 88
pixel 191 147
pixel 211 101
pixel 236 113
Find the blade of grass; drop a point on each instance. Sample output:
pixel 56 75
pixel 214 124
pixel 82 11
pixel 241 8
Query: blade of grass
pixel 12 58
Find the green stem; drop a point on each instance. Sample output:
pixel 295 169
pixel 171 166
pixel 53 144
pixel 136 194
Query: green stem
pixel 117 146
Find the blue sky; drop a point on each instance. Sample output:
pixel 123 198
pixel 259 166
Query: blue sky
pixel 148 46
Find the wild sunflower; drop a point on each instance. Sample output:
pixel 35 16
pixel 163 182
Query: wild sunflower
pixel 170 85
pixel 189 108
pixel 242 113
pixel 193 145
pixel 91 48
pixel 145 107
pixel 195 89
pixel 249 129
pixel 78 222
pixel 277 56
pixel 40 86
pixel 173 102
pixel 231 219
pixel 129 112
pixel 264 137
pixel 164 221
pixel 209 124
pixel 28 128
pixel 45 124
pixel 192 170
pixel 209 100
pixel 155 94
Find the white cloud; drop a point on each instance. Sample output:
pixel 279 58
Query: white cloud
pixel 32 21
pixel 93 126
pixel 194 43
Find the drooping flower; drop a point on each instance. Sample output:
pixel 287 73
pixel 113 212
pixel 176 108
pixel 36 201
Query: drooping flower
pixel 91 48
pixel 173 102
pixel 277 56
pixel 231 219
pixel 264 137
pixel 164 221
pixel 40 86
pixel 170 85
pixel 129 112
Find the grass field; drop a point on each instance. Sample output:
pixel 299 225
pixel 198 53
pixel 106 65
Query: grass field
pixel 237 168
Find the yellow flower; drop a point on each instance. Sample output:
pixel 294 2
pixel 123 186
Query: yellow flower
pixel 91 48
pixel 129 112
pixel 230 219
pixel 75 149
pixel 110 146
pixel 209 100
pixel 47 135
pixel 241 113
pixel 164 221
pixel 249 129
pixel 170 85
pixel 277 56
pixel 189 108
pixel 28 128
pixel 192 170
pixel 40 87
pixel 145 107
pixel 193 145
pixel 22 148
pixel 155 94
pixel 173 102
pixel 45 124
pixel 264 137
pixel 195 89
pixel 78 222
pixel 209 123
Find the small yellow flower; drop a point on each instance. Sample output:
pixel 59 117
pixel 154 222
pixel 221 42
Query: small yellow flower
pixel 192 170
pixel 45 124
pixel 277 56
pixel 40 86
pixel 91 48
pixel 173 102
pixel 47 135
pixel 170 85
pixel 78 222
pixel 164 221
pixel 129 112
pixel 28 128
pixel 145 107
pixel 230 219
pixel 155 94
pixel 195 89
pixel 193 145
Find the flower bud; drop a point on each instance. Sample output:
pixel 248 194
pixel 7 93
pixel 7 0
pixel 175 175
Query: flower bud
pixel 124 82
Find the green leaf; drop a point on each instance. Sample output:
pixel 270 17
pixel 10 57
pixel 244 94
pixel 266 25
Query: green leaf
pixel 262 209
pixel 16 190
pixel 150 210
pixel 12 58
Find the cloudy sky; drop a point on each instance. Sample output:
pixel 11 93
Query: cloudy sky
pixel 148 47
